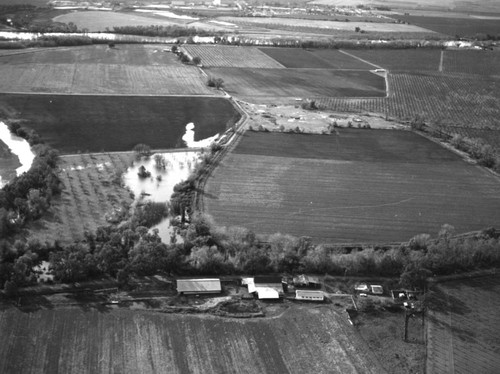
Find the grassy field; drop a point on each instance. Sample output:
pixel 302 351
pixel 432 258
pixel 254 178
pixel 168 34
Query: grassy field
pixel 101 20
pixel 126 69
pixel 275 83
pixel 84 340
pixel 91 194
pixel 457 27
pixel 333 25
pixel 399 60
pixel 232 57
pixel 355 186
pixel 315 59
pixel 74 124
pixel 463 327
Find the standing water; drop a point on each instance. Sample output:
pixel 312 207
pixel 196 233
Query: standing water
pixel 160 185
pixel 19 147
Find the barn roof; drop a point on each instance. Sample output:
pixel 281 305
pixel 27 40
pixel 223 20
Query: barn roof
pixel 199 285
pixel 309 295
pixel 267 293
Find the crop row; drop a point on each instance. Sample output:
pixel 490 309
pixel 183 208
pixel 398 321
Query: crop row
pixel 226 56
pixel 88 197
pixel 464 101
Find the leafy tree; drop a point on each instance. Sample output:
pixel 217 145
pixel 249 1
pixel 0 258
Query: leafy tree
pixel 142 150
pixel 196 60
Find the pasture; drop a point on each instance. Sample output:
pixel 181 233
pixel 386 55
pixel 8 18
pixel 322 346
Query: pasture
pixel 95 21
pixel 327 25
pixel 231 57
pixel 118 340
pixel 126 69
pixel 78 123
pixel 463 333
pixel 456 27
pixel 258 84
pixel 353 186
pixel 315 59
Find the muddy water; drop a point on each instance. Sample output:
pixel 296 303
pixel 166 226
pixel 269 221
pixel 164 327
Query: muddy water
pixel 19 147
pixel 160 185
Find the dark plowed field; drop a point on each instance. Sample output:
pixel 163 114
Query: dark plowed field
pixel 315 59
pixel 356 186
pixel 74 124
pixel 302 340
pixel 463 327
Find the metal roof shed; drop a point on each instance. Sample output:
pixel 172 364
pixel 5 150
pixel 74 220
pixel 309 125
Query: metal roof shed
pixel 308 295
pixel 267 293
pixel 198 286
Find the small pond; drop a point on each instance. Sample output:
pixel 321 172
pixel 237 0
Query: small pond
pixel 19 147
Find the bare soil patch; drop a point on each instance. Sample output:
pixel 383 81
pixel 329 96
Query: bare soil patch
pixel 463 326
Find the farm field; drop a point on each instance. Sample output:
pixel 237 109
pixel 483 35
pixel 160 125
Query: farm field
pixel 334 25
pixel 84 340
pixel 456 27
pixel 463 327
pixel 80 123
pixel 232 57
pixel 356 186
pixel 399 60
pixel 130 69
pixel 259 84
pixel 103 20
pixel 473 62
pixel 92 193
pixel 315 59
pixel 468 102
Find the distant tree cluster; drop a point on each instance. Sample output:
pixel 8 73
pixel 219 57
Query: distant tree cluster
pixel 215 82
pixel 173 31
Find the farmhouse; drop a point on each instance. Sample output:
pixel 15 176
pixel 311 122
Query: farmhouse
pixel 308 295
pixel 306 281
pixel 198 286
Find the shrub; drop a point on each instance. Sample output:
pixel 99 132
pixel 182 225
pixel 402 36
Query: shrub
pixel 150 214
pixel 142 150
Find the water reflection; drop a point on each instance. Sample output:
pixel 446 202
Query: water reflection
pixel 19 147
pixel 159 186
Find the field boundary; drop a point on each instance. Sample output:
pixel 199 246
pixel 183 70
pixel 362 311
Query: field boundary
pixel 199 203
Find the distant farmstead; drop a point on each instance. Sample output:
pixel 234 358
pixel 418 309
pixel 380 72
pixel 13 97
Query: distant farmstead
pixel 198 286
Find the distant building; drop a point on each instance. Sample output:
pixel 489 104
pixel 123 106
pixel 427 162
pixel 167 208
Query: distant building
pixel 198 286
pixel 308 295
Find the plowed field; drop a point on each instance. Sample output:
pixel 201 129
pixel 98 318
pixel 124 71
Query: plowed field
pixel 276 83
pixel 463 327
pixel 302 340
pixel 355 186
pixel 315 59
pixel 233 57
pixel 127 69
pixel 81 123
